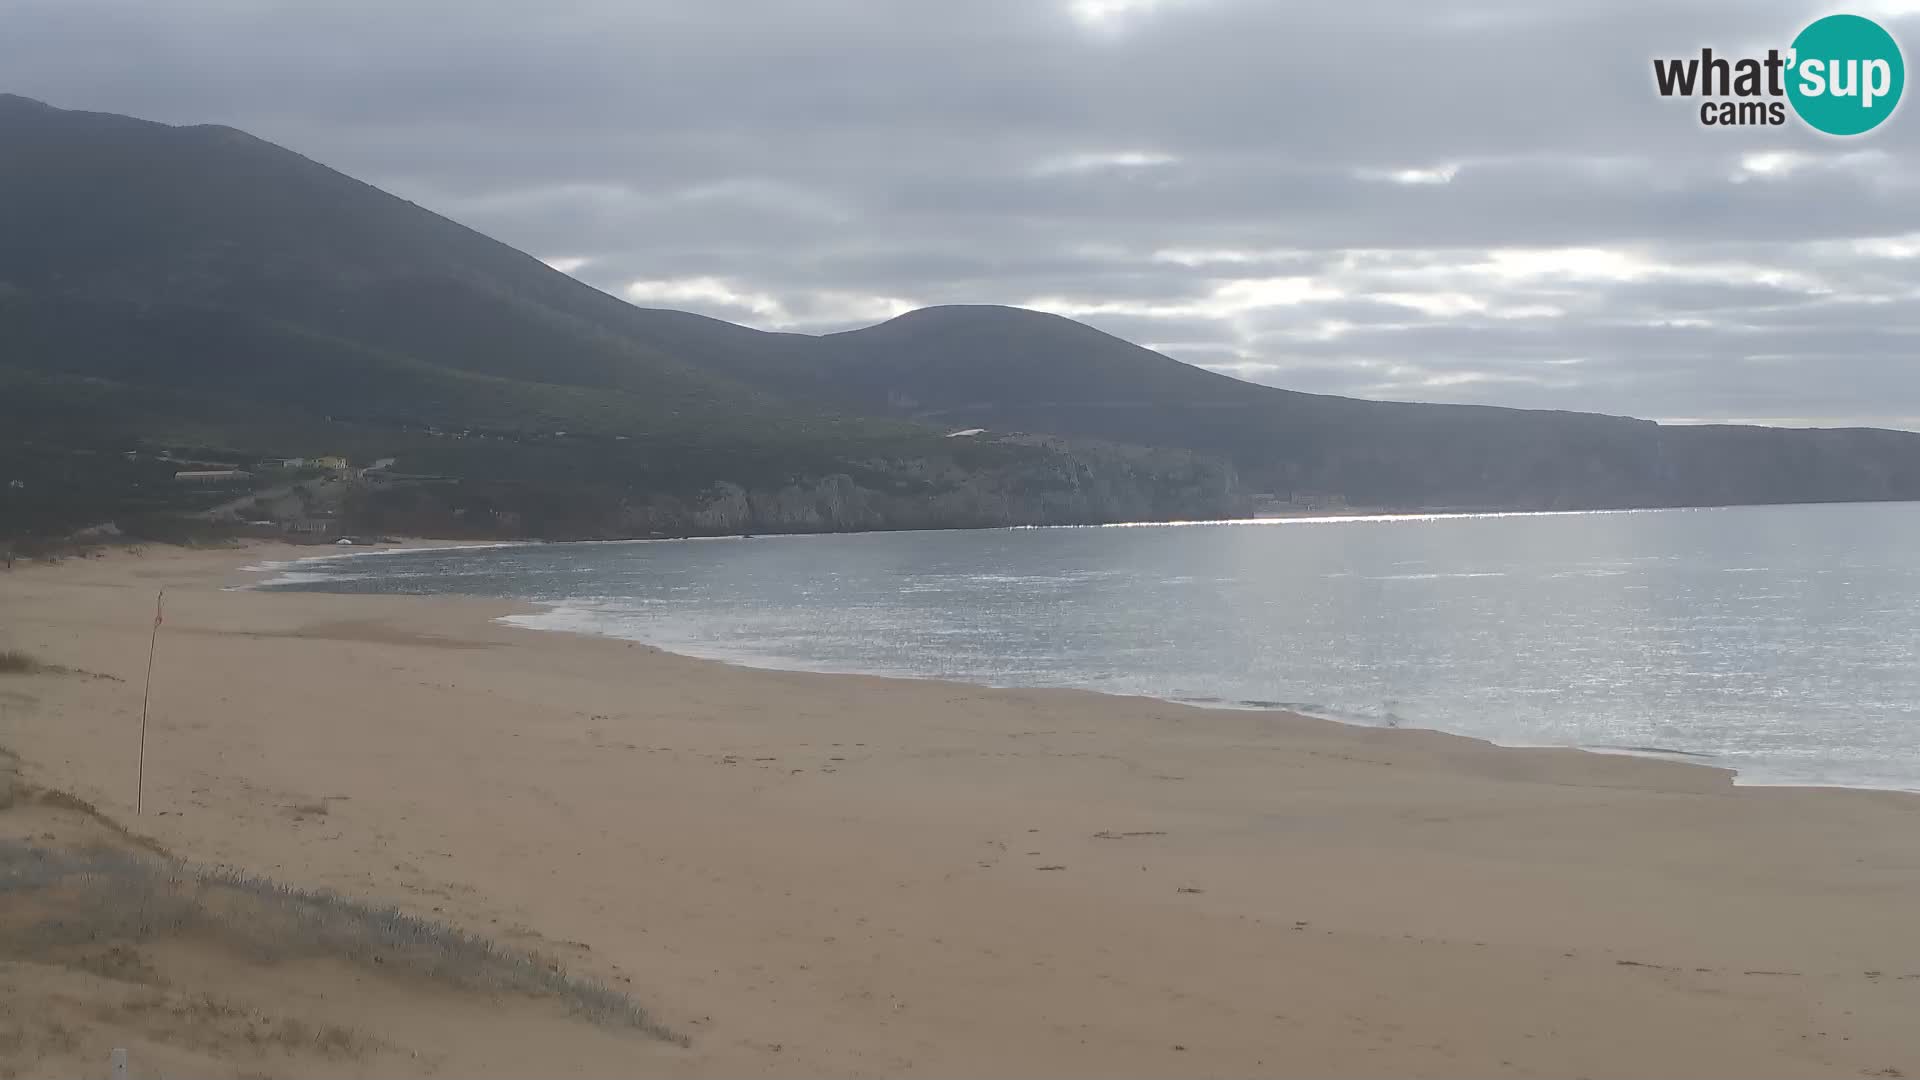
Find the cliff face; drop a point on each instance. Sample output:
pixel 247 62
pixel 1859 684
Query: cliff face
pixel 837 504
pixel 1061 488
pixel 1038 481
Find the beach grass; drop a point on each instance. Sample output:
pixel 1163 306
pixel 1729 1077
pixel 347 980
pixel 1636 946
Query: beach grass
pixel 16 662
pixel 93 897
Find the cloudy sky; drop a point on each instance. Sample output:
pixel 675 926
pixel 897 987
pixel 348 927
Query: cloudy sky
pixel 1481 201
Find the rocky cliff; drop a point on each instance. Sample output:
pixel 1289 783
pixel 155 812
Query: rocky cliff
pixel 1040 481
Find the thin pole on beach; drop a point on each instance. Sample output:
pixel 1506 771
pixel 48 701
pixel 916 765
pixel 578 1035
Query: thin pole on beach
pixel 140 780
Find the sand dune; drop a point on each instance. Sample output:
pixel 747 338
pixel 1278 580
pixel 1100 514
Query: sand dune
pixel 832 875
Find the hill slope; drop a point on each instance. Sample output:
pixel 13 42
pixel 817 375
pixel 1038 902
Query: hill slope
pixel 1372 452
pixel 137 217
pixel 1005 368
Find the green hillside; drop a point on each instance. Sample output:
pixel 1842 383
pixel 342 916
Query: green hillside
pixel 166 287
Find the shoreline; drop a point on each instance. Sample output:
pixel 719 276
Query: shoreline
pixel 854 876
pixel 529 620
pixel 1300 518
pixel 1694 758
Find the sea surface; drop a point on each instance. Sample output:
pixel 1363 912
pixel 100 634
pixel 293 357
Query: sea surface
pixel 1783 642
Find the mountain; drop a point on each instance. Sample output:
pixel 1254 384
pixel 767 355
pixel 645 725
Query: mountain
pixel 200 290
pixel 168 286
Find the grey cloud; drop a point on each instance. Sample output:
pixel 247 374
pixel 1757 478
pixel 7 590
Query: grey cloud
pixel 806 164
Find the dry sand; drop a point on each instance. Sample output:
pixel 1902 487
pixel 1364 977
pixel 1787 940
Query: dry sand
pixel 836 875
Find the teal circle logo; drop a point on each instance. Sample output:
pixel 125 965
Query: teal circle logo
pixel 1846 75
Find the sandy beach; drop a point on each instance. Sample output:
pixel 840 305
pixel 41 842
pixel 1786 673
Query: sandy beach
pixel 822 875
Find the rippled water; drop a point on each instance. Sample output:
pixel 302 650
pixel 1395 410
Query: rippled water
pixel 1781 641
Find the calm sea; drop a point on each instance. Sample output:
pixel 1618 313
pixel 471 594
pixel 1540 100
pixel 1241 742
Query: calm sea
pixel 1783 642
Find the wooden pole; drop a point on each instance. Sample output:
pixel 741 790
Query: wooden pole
pixel 140 780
